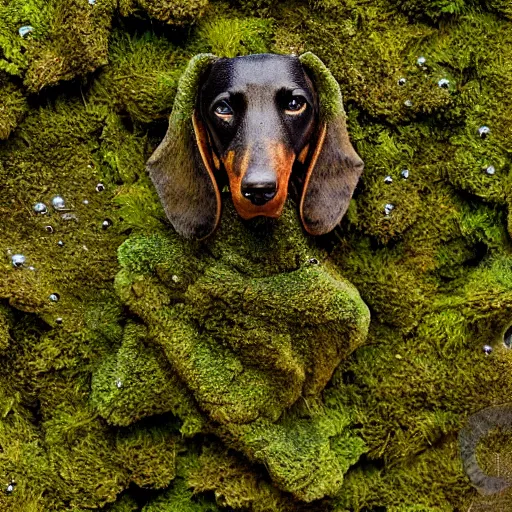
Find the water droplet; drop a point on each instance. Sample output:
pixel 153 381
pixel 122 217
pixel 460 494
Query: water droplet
pixel 32 268
pixel 402 81
pixel 490 170
pixel 92 2
pixel 421 61
pixel 313 261
pixel 69 216
pixel 40 208
pixel 175 278
pixel 25 30
pixel 487 349
pixel 106 224
pixel 484 131
pixel 388 208
pixel 85 201
pixel 54 297
pixel 408 103
pixel 100 187
pixel 58 320
pixel 10 488
pixel 18 260
pixel 60 243
pixel 444 83
pixel 58 203
pixel 119 383
pixel 388 180
pixel 405 173
pixel 49 229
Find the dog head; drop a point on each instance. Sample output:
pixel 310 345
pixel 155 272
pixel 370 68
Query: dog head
pixel 251 121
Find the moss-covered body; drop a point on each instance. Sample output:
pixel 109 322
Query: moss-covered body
pixel 236 374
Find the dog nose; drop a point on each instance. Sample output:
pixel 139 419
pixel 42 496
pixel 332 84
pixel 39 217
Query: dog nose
pixel 259 192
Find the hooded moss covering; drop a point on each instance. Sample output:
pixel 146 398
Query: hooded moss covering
pixel 142 373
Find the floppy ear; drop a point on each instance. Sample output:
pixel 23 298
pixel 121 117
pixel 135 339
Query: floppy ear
pixel 181 167
pixel 333 166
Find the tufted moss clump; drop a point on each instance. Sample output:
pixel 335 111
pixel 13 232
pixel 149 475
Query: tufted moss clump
pixel 229 36
pixel 173 12
pixel 142 77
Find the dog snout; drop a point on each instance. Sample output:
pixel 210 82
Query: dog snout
pixel 259 186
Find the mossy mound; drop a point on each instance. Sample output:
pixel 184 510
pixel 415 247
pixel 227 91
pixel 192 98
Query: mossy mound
pixel 250 323
pixel 233 374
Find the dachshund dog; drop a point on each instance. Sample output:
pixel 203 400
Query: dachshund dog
pixel 254 122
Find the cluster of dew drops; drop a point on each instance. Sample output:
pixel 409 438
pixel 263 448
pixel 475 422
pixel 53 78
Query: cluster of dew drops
pixel 483 132
pixel 59 205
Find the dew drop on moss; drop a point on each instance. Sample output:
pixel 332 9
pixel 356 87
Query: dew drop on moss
pixel 487 349
pixel 313 261
pixel 58 203
pixel 25 30
pixel 106 224
pixel 10 488
pixel 59 320
pixel 484 132
pixel 60 243
pixel 119 384
pixel 54 297
pixel 405 174
pixel 40 208
pixel 49 229
pixel 490 170
pixel 421 61
pixel 388 208
pixel 388 180
pixel 18 260
pixel 100 187
pixel 444 83
pixel 408 103
pixel 175 278
pixel 402 81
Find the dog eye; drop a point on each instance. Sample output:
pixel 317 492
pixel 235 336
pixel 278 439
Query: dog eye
pixel 223 109
pixel 296 105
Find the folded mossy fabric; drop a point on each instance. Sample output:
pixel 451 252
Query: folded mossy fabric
pixel 250 323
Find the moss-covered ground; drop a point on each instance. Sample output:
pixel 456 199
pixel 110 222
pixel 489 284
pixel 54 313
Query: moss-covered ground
pixel 262 369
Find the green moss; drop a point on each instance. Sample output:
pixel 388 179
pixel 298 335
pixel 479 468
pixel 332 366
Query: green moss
pixel 150 455
pixel 76 43
pixel 137 382
pixel 179 499
pixel 247 383
pixel 174 12
pixel 230 37
pixel 13 106
pixel 295 331
pixel 15 14
pixel 142 77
